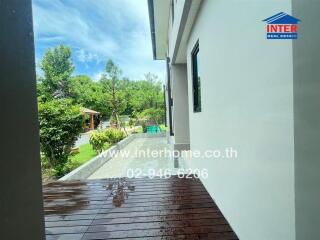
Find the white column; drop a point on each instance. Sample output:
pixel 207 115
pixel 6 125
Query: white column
pixel 180 110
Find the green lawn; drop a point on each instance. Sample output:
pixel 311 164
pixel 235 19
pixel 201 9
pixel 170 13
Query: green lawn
pixel 85 154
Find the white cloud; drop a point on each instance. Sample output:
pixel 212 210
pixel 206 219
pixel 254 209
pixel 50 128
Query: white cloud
pixel 98 30
pixel 57 20
pixel 97 76
pixel 84 56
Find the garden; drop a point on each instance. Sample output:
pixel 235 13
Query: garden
pixel 130 106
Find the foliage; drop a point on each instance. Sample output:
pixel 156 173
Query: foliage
pixel 111 95
pixel 147 93
pixel 113 87
pixel 155 115
pixel 89 94
pixel 57 67
pixel 61 122
pixel 131 97
pixel 60 94
pixel 139 129
pixel 132 122
pixel 98 140
pixel 114 135
pixel 163 128
pixel 123 123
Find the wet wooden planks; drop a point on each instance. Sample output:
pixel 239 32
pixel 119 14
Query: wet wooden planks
pixel 174 208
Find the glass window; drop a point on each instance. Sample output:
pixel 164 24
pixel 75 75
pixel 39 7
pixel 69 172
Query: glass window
pixel 172 11
pixel 196 79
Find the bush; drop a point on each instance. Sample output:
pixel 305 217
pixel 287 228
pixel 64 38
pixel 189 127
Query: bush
pixel 61 123
pixel 131 122
pixel 154 115
pixel 114 135
pixel 98 140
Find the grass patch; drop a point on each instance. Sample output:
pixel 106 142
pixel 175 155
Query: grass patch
pixel 163 128
pixel 85 154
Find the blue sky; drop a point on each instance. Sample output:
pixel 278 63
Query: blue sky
pixel 97 30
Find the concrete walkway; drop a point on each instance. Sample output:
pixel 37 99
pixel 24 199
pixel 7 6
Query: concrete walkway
pixel 129 162
pixel 85 137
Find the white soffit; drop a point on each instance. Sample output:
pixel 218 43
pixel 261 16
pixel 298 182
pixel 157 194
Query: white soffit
pixel 182 52
pixel 161 23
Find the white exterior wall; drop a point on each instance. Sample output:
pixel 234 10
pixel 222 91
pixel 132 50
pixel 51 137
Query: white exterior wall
pixel 180 106
pixel 174 26
pixel 247 104
pixel 306 71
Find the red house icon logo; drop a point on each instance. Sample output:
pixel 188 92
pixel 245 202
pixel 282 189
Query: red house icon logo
pixel 282 26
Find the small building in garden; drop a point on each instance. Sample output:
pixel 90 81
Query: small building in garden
pixel 93 118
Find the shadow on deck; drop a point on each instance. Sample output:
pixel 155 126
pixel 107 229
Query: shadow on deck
pixel 174 208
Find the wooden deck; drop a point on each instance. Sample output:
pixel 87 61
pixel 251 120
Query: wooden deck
pixel 133 209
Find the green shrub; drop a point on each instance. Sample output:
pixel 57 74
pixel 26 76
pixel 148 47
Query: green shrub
pixel 114 135
pixel 155 115
pixel 98 140
pixel 60 123
pixel 131 122
pixel 163 128
pixel 139 129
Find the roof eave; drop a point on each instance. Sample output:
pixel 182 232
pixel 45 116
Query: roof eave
pixel 152 28
pixel 159 19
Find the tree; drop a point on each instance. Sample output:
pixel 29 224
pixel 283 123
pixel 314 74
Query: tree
pixel 128 92
pixel 156 115
pixel 57 67
pixel 61 122
pixel 147 93
pixel 113 88
pixel 42 94
pixel 88 94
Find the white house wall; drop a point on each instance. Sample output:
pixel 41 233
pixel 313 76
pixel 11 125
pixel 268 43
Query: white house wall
pixel 175 25
pixel 306 54
pixel 247 104
pixel 180 106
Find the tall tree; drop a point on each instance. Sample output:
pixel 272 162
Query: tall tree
pixel 57 67
pixel 113 88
